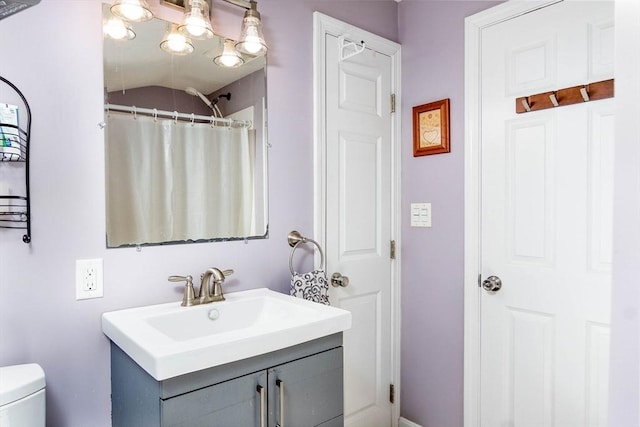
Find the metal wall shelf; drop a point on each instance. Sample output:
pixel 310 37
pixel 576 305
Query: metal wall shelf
pixel 15 210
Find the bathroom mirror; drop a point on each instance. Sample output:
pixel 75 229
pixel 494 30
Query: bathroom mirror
pixel 175 173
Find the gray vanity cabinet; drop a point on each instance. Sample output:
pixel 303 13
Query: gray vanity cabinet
pixel 302 387
pixel 230 403
pixel 307 392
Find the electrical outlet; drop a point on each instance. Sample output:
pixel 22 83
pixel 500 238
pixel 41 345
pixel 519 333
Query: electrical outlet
pixel 89 278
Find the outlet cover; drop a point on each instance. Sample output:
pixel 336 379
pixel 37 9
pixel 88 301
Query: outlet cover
pixel 89 279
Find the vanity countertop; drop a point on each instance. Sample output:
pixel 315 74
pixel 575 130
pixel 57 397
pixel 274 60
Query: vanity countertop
pixel 168 340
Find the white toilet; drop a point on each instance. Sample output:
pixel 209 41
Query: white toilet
pixel 22 399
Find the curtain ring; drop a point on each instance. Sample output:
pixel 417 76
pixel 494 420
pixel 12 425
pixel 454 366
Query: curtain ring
pixel 135 113
pixel 155 114
pixel 175 117
pixel 212 121
pixel 193 119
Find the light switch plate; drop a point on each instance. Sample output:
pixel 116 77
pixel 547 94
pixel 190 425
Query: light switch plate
pixel 421 214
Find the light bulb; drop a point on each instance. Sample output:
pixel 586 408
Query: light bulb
pixel 229 56
pixel 195 22
pixel 115 29
pixel 132 10
pixel 252 44
pixel 176 43
pixel 251 39
pixel 229 60
pixel 195 26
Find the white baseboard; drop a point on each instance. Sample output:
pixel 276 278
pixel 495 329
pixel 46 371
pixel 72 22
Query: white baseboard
pixel 406 423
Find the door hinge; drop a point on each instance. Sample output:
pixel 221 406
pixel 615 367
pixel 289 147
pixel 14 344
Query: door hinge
pixel 392 253
pixel 392 393
pixel 393 102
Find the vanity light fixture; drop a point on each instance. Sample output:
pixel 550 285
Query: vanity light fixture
pixel 118 29
pixel 196 22
pixel 176 43
pixel 229 57
pixel 132 10
pixel 251 39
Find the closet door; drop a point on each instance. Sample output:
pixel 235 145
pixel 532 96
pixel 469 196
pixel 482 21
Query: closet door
pixel 546 214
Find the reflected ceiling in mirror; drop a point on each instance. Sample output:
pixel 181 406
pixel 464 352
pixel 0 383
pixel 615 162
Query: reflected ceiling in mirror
pixel 130 64
pixel 137 72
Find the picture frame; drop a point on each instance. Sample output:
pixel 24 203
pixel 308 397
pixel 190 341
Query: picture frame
pixel 431 128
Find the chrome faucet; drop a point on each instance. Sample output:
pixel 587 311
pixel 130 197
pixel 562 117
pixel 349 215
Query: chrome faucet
pixel 209 293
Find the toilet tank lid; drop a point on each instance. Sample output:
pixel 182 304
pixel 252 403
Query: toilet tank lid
pixel 19 381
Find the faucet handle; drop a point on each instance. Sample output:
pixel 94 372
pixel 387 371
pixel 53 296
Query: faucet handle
pixel 189 298
pixel 175 278
pixel 226 273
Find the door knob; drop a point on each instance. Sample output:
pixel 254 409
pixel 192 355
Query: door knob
pixel 492 284
pixel 338 279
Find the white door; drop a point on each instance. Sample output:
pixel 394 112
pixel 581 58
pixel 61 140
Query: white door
pixel 359 180
pixel 546 220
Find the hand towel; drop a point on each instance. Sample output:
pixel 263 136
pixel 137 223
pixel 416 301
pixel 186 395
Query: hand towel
pixel 312 286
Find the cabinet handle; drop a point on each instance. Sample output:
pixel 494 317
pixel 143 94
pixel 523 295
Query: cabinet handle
pixel 280 385
pixel 260 390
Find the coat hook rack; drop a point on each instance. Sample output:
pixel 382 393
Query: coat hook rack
pixel 567 96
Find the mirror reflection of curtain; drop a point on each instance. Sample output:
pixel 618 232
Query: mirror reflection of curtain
pixel 177 181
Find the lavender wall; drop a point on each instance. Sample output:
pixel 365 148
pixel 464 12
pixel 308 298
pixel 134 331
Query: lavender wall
pixel 53 54
pixel 624 398
pixel 432 38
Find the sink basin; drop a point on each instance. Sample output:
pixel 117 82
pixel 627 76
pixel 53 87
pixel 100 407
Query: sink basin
pixel 168 340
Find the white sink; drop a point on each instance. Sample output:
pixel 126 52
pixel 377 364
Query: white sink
pixel 168 340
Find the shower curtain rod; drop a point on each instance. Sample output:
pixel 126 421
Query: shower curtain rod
pixel 153 112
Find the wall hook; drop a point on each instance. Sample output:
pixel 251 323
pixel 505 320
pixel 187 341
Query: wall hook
pixel 343 45
pixel 585 93
pixel 525 104
pixel 554 99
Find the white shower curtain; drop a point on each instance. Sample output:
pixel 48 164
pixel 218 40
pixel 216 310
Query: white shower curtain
pixel 177 181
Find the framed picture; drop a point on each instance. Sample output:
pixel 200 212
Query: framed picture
pixel 431 128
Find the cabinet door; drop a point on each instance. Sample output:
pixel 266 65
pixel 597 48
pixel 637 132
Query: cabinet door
pixel 232 403
pixel 306 392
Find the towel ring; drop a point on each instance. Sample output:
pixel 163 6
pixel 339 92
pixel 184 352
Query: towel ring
pixel 295 240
